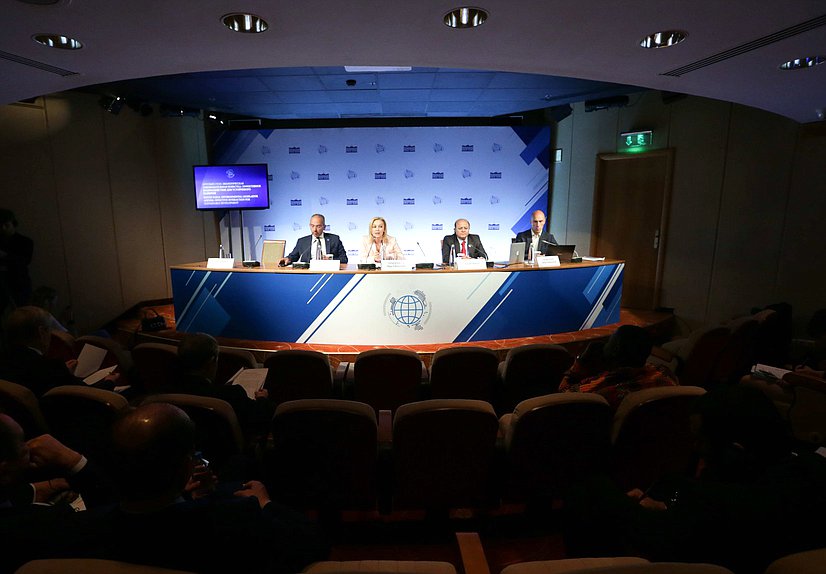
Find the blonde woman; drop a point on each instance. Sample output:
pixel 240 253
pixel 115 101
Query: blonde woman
pixel 378 245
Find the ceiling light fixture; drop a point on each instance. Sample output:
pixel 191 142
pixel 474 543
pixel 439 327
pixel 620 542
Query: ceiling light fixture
pixel 465 17
pixel 58 41
pixel 245 23
pixel 803 63
pixel 664 39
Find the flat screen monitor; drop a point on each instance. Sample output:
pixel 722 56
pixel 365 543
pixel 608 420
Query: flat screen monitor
pixel 236 186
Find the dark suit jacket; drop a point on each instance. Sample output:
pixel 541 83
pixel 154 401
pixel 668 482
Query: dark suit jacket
pixel 474 247
pixel 526 237
pixel 24 366
pixel 332 245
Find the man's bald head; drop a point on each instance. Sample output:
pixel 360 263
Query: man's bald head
pixel 28 326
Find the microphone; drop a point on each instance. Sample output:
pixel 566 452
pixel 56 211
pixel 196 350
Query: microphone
pixel 253 262
pixel 423 265
pixel 481 252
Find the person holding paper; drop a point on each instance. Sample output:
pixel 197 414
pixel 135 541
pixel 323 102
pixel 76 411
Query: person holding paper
pixel 378 245
pixel 464 243
pixel 536 237
pixel 317 245
pixel 28 335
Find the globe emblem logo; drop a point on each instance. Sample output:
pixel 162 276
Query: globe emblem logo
pixel 409 310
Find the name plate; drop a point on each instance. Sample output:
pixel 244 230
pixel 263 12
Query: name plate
pixel 547 261
pixel 471 264
pixel 325 265
pixel 220 263
pixel 396 265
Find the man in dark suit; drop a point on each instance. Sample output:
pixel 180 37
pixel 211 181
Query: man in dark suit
pixel 317 245
pixel 464 243
pixel 536 239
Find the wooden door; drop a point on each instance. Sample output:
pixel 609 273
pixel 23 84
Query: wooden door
pixel 630 220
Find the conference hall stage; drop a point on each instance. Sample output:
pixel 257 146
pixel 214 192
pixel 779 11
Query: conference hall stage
pixel 342 313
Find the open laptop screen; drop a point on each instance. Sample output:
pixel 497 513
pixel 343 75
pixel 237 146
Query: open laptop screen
pixel 564 252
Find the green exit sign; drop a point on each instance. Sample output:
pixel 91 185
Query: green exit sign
pixel 635 141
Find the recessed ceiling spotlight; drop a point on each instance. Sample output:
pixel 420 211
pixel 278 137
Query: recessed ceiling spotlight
pixel 663 39
pixel 245 23
pixel 803 63
pixel 58 41
pixel 465 17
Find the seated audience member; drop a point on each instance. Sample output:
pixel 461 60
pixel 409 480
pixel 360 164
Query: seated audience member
pixel 198 361
pixel 617 368
pixel 752 500
pixel 28 335
pixel 46 298
pixel 152 462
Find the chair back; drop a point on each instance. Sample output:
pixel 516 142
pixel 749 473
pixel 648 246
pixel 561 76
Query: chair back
pixel 385 379
pixel 463 373
pixel 737 356
pixel 543 456
pixel 218 434
pixel 81 417
pixel 807 562
pixel 61 346
pixel 807 411
pixel 298 374
pixel 619 566
pixel 699 355
pixel 22 405
pixel 651 435
pixel 324 454
pixel 90 566
pixel 532 371
pixel 230 360
pixel 156 366
pixel 443 454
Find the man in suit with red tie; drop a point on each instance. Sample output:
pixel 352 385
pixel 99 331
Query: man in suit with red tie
pixel 465 244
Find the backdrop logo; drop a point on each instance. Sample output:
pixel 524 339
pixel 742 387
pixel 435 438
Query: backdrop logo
pixel 295 203
pixel 408 174
pixel 351 149
pixel 352 227
pixel 269 228
pixel 322 149
pixel 380 175
pixel 437 175
pixel 230 173
pixel 409 149
pixel 265 150
pixel 324 177
pixel 496 147
pixel 408 201
pixel 297 226
pixel 437 226
pixel 465 201
pixel 437 147
pixel 351 174
pixel 379 200
pixel 295 175
pixel 437 200
pixel 493 227
pixel 467 147
pixel 466 173
pixel 494 199
pixel 407 227
pixel 496 175
pixel 352 201
pixel 323 200
pixel 411 310
pixel 379 148
pixel 294 149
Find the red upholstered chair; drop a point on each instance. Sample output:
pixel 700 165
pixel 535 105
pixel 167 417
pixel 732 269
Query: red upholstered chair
pixel 22 405
pixel 552 441
pixel 463 373
pixel 156 366
pixel 297 374
pixel 532 371
pixel 651 435
pixel 385 379
pixel 324 455
pixel 443 455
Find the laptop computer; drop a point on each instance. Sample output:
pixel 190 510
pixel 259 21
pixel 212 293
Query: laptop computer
pixel 517 254
pixel 564 252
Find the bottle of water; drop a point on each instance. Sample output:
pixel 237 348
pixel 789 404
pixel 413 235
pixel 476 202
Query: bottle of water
pixel 452 260
pixel 529 259
pixel 221 253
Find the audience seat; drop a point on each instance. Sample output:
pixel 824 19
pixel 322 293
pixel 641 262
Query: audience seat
pixel 808 562
pixel 380 567
pixel 156 366
pixel 219 435
pixel 627 565
pixel 324 454
pixel 385 379
pixel 90 566
pixel 230 361
pixel 651 435
pixel 463 373
pixel 61 346
pixel 22 405
pixel 737 356
pixel 297 374
pixel 807 409
pixel 693 359
pixel 532 371
pixel 80 417
pixel 552 441
pixel 443 454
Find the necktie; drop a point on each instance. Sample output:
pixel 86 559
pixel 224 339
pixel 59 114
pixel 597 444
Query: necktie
pixel 464 250
pixel 318 254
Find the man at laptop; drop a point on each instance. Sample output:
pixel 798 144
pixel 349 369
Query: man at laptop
pixel 536 237
pixel 317 245
pixel 464 243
